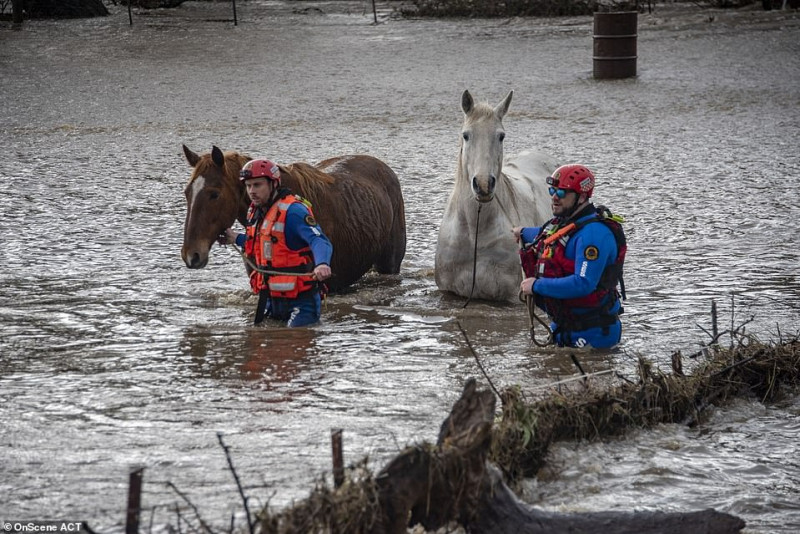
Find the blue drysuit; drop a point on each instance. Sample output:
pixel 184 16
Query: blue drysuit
pixel 593 248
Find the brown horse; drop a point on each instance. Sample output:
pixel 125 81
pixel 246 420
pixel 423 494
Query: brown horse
pixel 356 200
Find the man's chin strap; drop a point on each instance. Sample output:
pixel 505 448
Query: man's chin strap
pixel 576 211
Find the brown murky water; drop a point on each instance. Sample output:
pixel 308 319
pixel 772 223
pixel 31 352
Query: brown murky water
pixel 113 355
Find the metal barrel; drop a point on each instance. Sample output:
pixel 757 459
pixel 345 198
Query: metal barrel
pixel 615 44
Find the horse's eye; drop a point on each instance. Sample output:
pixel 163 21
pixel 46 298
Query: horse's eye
pixel 501 136
pixel 465 135
pixel 214 195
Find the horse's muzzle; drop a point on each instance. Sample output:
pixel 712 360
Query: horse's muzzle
pixel 484 192
pixel 194 260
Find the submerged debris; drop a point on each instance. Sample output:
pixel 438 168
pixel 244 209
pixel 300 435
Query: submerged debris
pixel 525 430
pixel 449 483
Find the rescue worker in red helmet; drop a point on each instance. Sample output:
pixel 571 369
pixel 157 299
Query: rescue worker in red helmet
pixel 573 263
pixel 282 236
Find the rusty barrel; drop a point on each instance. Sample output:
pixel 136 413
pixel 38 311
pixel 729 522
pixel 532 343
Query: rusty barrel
pixel 615 44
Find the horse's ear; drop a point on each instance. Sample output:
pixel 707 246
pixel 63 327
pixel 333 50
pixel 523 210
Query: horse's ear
pixel 217 156
pixel 191 157
pixel 467 104
pixel 502 107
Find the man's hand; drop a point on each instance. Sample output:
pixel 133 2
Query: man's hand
pixel 527 286
pixel 228 237
pixel 322 272
pixel 517 230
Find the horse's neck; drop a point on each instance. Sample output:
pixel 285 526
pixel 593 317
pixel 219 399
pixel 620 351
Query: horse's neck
pixel 506 201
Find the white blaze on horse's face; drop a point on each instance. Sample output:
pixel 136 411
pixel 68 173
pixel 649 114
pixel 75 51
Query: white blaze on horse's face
pixel 196 187
pixel 211 205
pixel 482 137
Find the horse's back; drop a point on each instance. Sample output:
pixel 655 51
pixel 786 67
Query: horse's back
pixel 528 171
pixel 533 163
pixel 361 168
pixel 363 214
pixel 368 184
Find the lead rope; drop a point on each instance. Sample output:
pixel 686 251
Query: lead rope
pixel 256 268
pixel 474 256
pixel 533 317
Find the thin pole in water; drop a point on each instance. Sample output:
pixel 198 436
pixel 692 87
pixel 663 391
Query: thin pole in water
pixel 130 16
pixel 235 23
pixel 714 327
pixel 134 501
pixel 338 458
pixel 16 11
pixel 374 13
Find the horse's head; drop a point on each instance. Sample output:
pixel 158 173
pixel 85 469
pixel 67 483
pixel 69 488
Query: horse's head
pixel 482 137
pixel 214 199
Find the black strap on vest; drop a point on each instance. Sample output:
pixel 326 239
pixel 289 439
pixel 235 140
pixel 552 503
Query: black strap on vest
pixel 261 307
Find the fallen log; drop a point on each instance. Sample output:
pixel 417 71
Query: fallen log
pixel 503 513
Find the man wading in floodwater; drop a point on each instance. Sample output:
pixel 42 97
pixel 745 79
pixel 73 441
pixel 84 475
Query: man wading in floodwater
pixel 282 237
pixel 574 262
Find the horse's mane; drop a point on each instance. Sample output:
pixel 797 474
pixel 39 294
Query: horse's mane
pixel 310 181
pixel 305 179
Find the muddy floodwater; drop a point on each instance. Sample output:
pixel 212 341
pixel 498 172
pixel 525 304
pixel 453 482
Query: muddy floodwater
pixel 115 356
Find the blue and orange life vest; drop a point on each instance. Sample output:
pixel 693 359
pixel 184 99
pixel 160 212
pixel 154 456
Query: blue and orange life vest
pixel 266 244
pixel 546 257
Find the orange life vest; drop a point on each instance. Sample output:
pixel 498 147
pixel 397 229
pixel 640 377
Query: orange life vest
pixel 266 245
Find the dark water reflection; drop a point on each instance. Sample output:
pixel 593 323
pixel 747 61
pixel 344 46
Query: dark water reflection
pixel 113 355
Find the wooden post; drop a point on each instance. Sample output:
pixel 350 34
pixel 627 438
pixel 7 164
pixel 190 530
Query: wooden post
pixel 338 460
pixel 374 13
pixel 714 327
pixel 134 501
pixel 130 16
pixel 235 23
pixel 16 6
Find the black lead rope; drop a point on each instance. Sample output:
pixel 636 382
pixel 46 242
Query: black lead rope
pixel 534 318
pixel 530 304
pixel 474 256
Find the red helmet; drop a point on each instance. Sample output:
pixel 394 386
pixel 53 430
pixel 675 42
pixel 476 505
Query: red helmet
pixel 260 168
pixel 573 177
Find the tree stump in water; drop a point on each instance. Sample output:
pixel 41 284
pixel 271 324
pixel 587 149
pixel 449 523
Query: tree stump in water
pixel 453 482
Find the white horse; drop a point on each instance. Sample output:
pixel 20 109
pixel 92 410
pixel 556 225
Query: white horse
pixel 489 198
